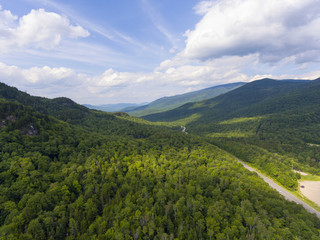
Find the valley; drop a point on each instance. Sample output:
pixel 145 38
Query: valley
pixel 162 120
pixel 87 174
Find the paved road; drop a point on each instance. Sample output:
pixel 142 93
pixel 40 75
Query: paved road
pixel 281 190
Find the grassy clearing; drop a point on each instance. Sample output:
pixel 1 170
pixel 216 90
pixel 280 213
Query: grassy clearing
pixel 240 120
pixel 185 121
pixel 197 105
pixel 178 123
pixel 231 134
pixel 310 177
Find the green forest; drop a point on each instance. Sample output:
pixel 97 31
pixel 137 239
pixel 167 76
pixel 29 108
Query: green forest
pixel 67 172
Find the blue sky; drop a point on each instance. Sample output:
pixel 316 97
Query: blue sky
pixel 105 51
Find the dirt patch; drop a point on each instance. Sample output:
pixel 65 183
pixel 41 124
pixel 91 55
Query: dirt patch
pixel 313 145
pixel 301 173
pixel 311 189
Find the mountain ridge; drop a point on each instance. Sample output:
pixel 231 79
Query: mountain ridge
pixel 250 93
pixel 61 107
pixel 167 103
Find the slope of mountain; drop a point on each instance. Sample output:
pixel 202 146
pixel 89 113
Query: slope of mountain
pixel 62 108
pixel 105 177
pixel 113 107
pixel 167 103
pixel 275 119
pixel 235 103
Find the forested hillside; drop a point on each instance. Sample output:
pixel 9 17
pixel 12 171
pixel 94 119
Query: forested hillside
pixel 67 172
pixel 272 124
pixel 256 98
pixel 62 108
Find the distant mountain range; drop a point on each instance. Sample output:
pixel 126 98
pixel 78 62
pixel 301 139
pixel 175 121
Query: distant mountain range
pixel 258 97
pixel 166 103
pixel 114 107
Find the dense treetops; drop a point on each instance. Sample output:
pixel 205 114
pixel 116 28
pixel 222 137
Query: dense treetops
pixel 102 176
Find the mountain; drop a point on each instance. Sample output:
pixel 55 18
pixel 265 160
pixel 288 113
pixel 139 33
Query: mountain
pixel 113 107
pixel 167 103
pixel 275 119
pixel 62 108
pixel 107 176
pixel 235 103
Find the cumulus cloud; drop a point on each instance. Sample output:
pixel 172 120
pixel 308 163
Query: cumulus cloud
pixel 272 29
pixel 113 86
pixel 38 29
pixel 141 86
pixel 45 81
pixel 7 18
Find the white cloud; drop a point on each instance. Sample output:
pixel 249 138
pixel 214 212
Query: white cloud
pixel 45 81
pixel 111 78
pixel 203 7
pixel 106 31
pixel 7 18
pixel 306 76
pixel 113 86
pixel 38 29
pixel 272 29
pixel 50 75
